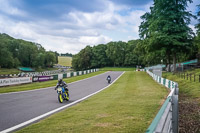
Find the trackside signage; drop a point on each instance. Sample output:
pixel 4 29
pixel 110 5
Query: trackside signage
pixel 42 78
pixel 13 81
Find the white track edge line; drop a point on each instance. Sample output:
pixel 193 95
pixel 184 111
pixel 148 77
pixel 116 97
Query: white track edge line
pixel 55 110
pixel 51 86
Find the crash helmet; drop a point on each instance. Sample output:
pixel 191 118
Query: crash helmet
pixel 59 81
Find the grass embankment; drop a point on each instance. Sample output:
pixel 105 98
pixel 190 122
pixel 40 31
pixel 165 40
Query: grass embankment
pixel 118 69
pixel 189 103
pixel 186 87
pixel 9 71
pixel 16 71
pixel 196 71
pixel 37 85
pixel 65 61
pixel 129 105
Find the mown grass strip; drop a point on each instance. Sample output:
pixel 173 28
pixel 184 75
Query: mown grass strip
pixel 118 69
pixel 38 85
pixel 129 105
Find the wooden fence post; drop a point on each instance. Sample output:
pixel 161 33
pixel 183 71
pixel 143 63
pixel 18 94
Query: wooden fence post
pixel 199 78
pixel 187 76
pixel 184 75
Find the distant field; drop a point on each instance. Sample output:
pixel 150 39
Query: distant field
pixel 118 69
pixel 65 61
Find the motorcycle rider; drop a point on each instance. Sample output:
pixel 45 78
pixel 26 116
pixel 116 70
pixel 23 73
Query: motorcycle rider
pixel 109 78
pixel 61 83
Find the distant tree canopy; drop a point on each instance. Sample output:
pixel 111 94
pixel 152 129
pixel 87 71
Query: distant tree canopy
pixel 111 54
pixel 197 41
pixel 17 52
pixel 67 54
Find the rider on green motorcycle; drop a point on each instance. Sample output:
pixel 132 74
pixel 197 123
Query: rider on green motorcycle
pixel 62 83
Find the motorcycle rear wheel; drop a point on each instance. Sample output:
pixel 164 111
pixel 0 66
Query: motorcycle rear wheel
pixel 67 96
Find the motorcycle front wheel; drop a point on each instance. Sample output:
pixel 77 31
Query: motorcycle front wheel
pixel 60 98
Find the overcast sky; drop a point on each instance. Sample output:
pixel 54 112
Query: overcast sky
pixel 70 25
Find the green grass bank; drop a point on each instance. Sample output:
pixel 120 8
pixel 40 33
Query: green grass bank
pixel 186 87
pixel 129 105
pixel 118 69
pixel 17 71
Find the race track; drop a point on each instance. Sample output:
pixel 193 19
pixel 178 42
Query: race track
pixel 16 108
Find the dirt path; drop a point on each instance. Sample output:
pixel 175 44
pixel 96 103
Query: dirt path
pixel 189 114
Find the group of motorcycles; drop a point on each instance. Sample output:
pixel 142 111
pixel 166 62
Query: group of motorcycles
pixel 64 95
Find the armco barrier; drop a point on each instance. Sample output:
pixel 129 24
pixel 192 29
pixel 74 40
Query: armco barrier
pixel 166 121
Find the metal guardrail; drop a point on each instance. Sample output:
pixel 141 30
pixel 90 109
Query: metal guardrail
pixel 166 120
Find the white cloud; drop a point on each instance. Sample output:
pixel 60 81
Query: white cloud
pixel 75 29
pixel 7 8
pixel 90 40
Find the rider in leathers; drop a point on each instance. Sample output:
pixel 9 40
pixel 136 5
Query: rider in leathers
pixel 62 83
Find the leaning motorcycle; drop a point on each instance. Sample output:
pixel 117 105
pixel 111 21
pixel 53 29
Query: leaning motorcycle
pixel 62 94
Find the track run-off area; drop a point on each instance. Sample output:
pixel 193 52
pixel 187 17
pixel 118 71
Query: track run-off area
pixel 128 105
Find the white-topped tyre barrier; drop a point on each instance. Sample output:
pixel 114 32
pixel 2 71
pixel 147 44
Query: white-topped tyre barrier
pixel 41 76
pixel 166 121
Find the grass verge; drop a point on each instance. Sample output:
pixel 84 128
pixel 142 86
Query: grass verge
pixel 38 85
pixel 9 71
pixel 189 103
pixel 118 69
pixel 17 71
pixel 129 105
pixel 186 87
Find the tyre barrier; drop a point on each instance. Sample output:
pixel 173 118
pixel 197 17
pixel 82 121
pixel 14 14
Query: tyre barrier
pixel 37 77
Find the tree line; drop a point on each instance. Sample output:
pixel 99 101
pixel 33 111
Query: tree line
pixel 115 54
pixel 67 54
pixel 165 37
pixel 17 52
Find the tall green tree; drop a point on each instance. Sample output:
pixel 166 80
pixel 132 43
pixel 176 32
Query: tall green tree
pixel 99 58
pixel 82 60
pixel 198 28
pixel 17 52
pixel 197 39
pixel 50 59
pixel 166 28
pixel 116 52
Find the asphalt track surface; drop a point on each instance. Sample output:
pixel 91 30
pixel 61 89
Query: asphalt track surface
pixel 16 108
